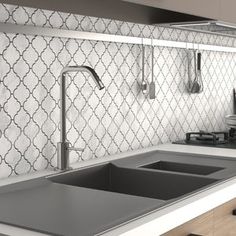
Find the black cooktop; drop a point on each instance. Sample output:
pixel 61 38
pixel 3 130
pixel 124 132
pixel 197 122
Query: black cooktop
pixel 223 139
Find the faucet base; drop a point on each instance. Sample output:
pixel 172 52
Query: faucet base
pixel 61 171
pixel 62 156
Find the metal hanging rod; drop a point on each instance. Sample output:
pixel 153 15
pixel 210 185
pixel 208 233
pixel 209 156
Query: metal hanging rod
pixel 62 33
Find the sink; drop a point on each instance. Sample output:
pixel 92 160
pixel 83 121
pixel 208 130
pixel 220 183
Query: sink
pixel 182 167
pixel 131 181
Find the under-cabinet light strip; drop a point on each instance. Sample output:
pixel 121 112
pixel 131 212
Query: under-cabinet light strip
pixel 62 33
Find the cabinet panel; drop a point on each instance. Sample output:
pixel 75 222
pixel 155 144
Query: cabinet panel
pixel 224 220
pixel 202 225
pixel 219 222
pixel 223 10
pixel 197 8
pixel 227 11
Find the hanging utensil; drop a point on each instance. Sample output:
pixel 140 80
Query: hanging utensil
pixel 152 86
pixel 234 101
pixel 231 119
pixel 195 88
pixel 192 84
pixel 143 83
pixel 199 72
pixel 189 83
pixel 195 85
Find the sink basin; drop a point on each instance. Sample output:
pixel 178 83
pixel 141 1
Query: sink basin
pixel 183 168
pixel 138 182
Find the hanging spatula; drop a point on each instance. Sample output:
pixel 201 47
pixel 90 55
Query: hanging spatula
pixel 199 71
pixel 152 86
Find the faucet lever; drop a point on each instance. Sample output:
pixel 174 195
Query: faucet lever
pixel 75 149
pixel 63 155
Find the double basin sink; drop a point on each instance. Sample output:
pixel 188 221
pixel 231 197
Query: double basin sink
pixel 164 176
pixel 91 200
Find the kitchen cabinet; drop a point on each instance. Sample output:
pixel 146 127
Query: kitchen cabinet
pixel 103 8
pixel 202 225
pixel 193 7
pixel 109 9
pixel 217 222
pixel 225 220
pixel 223 10
pixel 227 11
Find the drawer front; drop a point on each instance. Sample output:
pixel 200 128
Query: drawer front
pixel 202 226
pixel 225 220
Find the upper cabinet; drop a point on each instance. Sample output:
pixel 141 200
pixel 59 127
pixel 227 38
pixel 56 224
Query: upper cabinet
pixel 111 9
pixel 227 11
pixel 203 8
pixel 223 10
pixel 142 11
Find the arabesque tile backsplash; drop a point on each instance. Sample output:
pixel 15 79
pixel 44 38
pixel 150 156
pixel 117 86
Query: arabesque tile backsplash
pixel 117 119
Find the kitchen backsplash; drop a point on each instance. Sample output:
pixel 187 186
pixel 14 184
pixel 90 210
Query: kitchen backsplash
pixel 117 119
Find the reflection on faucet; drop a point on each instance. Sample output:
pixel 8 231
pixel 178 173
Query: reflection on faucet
pixel 63 146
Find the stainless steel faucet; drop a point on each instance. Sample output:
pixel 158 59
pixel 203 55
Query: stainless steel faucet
pixel 63 147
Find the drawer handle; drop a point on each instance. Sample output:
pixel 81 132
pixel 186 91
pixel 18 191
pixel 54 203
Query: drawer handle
pixel 234 212
pixel 195 235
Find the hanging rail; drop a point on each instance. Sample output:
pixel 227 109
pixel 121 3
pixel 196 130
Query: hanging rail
pixel 62 33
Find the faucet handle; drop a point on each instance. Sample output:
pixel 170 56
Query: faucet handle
pixel 75 149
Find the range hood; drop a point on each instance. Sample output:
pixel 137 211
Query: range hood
pixel 218 12
pixel 211 26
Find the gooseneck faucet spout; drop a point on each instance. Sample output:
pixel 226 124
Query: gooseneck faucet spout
pixel 63 147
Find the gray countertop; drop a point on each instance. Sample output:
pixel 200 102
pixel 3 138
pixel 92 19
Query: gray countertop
pixel 58 209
